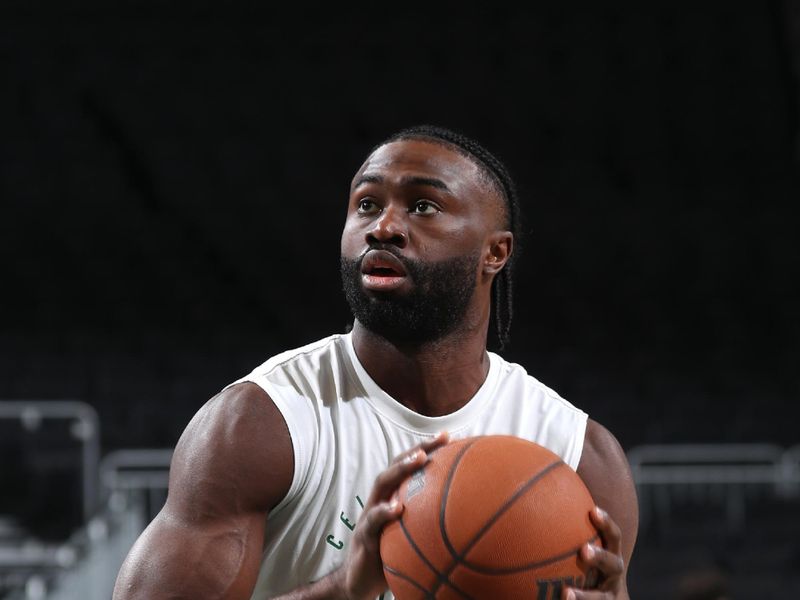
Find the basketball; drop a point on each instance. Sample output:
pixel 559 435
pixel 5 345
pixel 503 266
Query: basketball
pixel 489 517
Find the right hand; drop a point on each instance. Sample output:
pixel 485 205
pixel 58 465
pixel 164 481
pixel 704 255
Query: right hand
pixel 361 575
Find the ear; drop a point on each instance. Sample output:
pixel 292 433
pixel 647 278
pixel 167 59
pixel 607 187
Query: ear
pixel 499 246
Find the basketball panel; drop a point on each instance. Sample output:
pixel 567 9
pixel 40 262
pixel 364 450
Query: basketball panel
pixel 490 473
pixel 538 526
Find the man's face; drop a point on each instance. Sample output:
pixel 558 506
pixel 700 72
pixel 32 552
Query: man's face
pixel 412 244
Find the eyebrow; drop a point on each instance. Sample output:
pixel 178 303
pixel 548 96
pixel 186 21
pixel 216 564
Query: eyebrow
pixel 410 180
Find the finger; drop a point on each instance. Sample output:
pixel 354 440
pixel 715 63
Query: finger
pixel 404 465
pixel 388 481
pixel 608 529
pixel 573 594
pixel 605 561
pixel 440 439
pixel 381 514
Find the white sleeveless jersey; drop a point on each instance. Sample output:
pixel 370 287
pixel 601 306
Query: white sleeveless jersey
pixel 345 430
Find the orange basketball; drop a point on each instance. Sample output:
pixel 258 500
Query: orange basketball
pixel 489 517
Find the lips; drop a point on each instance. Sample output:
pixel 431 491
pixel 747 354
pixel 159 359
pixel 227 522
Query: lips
pixel 382 263
pixel 382 271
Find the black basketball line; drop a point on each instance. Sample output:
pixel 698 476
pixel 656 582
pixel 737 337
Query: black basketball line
pixel 445 492
pixel 458 556
pixel 506 505
pixel 533 565
pixel 418 550
pixel 440 577
pixel 405 577
pixel 493 519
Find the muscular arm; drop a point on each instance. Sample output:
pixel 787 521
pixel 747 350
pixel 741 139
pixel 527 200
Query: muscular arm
pixel 605 470
pixel 233 464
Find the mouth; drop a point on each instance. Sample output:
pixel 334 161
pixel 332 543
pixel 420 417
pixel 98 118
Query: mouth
pixel 382 271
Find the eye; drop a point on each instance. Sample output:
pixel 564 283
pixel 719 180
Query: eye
pixel 425 207
pixel 367 206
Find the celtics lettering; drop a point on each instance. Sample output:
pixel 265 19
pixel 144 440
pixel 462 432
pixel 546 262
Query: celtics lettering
pixel 349 522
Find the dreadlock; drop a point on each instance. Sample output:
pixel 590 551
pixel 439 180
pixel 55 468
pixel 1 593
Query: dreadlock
pixel 491 166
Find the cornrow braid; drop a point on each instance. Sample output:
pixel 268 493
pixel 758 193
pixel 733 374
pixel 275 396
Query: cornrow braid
pixel 491 166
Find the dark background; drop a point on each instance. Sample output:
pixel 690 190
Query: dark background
pixel 173 181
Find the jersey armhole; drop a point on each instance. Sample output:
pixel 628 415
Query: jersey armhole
pixel 575 449
pixel 301 447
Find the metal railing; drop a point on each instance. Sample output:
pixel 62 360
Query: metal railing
pixel 136 469
pixel 122 490
pixel 85 428
pixel 132 484
pixel 131 471
pixel 661 472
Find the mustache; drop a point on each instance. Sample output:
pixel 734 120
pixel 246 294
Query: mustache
pixel 390 248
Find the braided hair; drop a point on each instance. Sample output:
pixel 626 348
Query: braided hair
pixel 498 175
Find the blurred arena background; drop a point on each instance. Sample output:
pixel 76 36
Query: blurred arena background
pixel 172 185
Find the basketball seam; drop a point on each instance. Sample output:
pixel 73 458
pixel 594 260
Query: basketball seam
pixel 445 493
pixel 440 577
pixel 417 549
pixel 533 565
pixel 445 577
pixel 406 578
pixel 500 511
pixel 458 558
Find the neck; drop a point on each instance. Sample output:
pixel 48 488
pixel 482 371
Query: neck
pixel 434 378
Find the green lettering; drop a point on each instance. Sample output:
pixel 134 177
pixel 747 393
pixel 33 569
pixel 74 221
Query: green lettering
pixel 346 522
pixel 338 544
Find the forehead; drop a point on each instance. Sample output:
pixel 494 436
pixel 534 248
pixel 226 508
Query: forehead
pixel 407 158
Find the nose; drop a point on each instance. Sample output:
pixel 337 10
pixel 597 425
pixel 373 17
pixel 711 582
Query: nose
pixel 389 228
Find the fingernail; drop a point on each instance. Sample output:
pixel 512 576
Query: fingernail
pixel 393 505
pixel 589 550
pixel 601 514
pixel 411 458
pixel 570 595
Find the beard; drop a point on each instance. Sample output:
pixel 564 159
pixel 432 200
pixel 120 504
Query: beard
pixel 435 306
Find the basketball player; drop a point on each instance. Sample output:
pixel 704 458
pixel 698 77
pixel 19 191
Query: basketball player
pixel 281 484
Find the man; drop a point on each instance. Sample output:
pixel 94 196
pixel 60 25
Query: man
pixel 281 484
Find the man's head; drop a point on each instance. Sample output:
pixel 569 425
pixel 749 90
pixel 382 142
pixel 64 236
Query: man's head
pixel 429 236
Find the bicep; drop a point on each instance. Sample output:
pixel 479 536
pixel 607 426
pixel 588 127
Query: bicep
pixel 605 470
pixel 233 463
pixel 216 559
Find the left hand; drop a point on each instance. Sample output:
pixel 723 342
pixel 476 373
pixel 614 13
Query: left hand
pixel 361 575
pixel 607 561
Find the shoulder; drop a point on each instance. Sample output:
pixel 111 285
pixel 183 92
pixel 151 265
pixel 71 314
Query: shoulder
pixel 602 450
pixel 516 384
pixel 300 359
pixel 535 411
pixel 236 449
pixel 605 470
pixel 515 375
